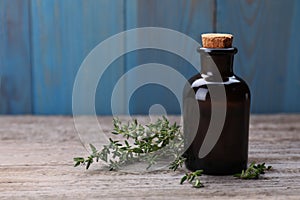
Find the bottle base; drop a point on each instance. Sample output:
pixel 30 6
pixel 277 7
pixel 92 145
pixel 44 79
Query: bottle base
pixel 217 170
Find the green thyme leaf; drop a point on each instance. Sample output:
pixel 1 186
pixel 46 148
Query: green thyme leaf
pixel 198 184
pixel 93 148
pixel 183 179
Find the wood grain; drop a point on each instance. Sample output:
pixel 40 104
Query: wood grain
pixel 265 34
pixel 36 162
pixel 15 63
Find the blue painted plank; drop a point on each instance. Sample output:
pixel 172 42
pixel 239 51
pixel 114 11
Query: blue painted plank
pixel 292 84
pixel 265 34
pixel 63 33
pixel 191 17
pixel 15 68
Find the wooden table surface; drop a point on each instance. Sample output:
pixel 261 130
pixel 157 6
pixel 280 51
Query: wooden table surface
pixel 36 163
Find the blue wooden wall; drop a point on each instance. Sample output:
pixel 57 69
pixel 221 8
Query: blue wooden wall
pixel 15 58
pixel 43 43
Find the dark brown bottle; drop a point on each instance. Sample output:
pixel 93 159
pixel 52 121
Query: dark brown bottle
pixel 227 151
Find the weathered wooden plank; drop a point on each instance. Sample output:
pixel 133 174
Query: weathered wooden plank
pixel 190 17
pixel 63 33
pixel 36 162
pixel 265 34
pixel 15 66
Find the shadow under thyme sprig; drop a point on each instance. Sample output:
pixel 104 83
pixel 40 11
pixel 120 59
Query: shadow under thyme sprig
pixel 147 143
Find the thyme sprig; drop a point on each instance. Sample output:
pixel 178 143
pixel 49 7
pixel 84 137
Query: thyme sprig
pixel 193 178
pixel 178 162
pixel 147 143
pixel 253 171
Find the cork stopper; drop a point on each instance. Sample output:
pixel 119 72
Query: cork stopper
pixel 217 40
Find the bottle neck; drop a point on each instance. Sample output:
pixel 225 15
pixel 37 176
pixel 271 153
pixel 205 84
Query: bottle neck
pixel 217 61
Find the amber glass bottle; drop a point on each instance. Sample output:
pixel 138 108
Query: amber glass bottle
pixel 229 153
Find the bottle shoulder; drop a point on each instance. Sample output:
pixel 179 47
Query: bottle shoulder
pixel 202 80
pixel 234 86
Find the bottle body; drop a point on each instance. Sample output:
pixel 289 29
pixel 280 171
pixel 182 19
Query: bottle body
pixel 229 154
